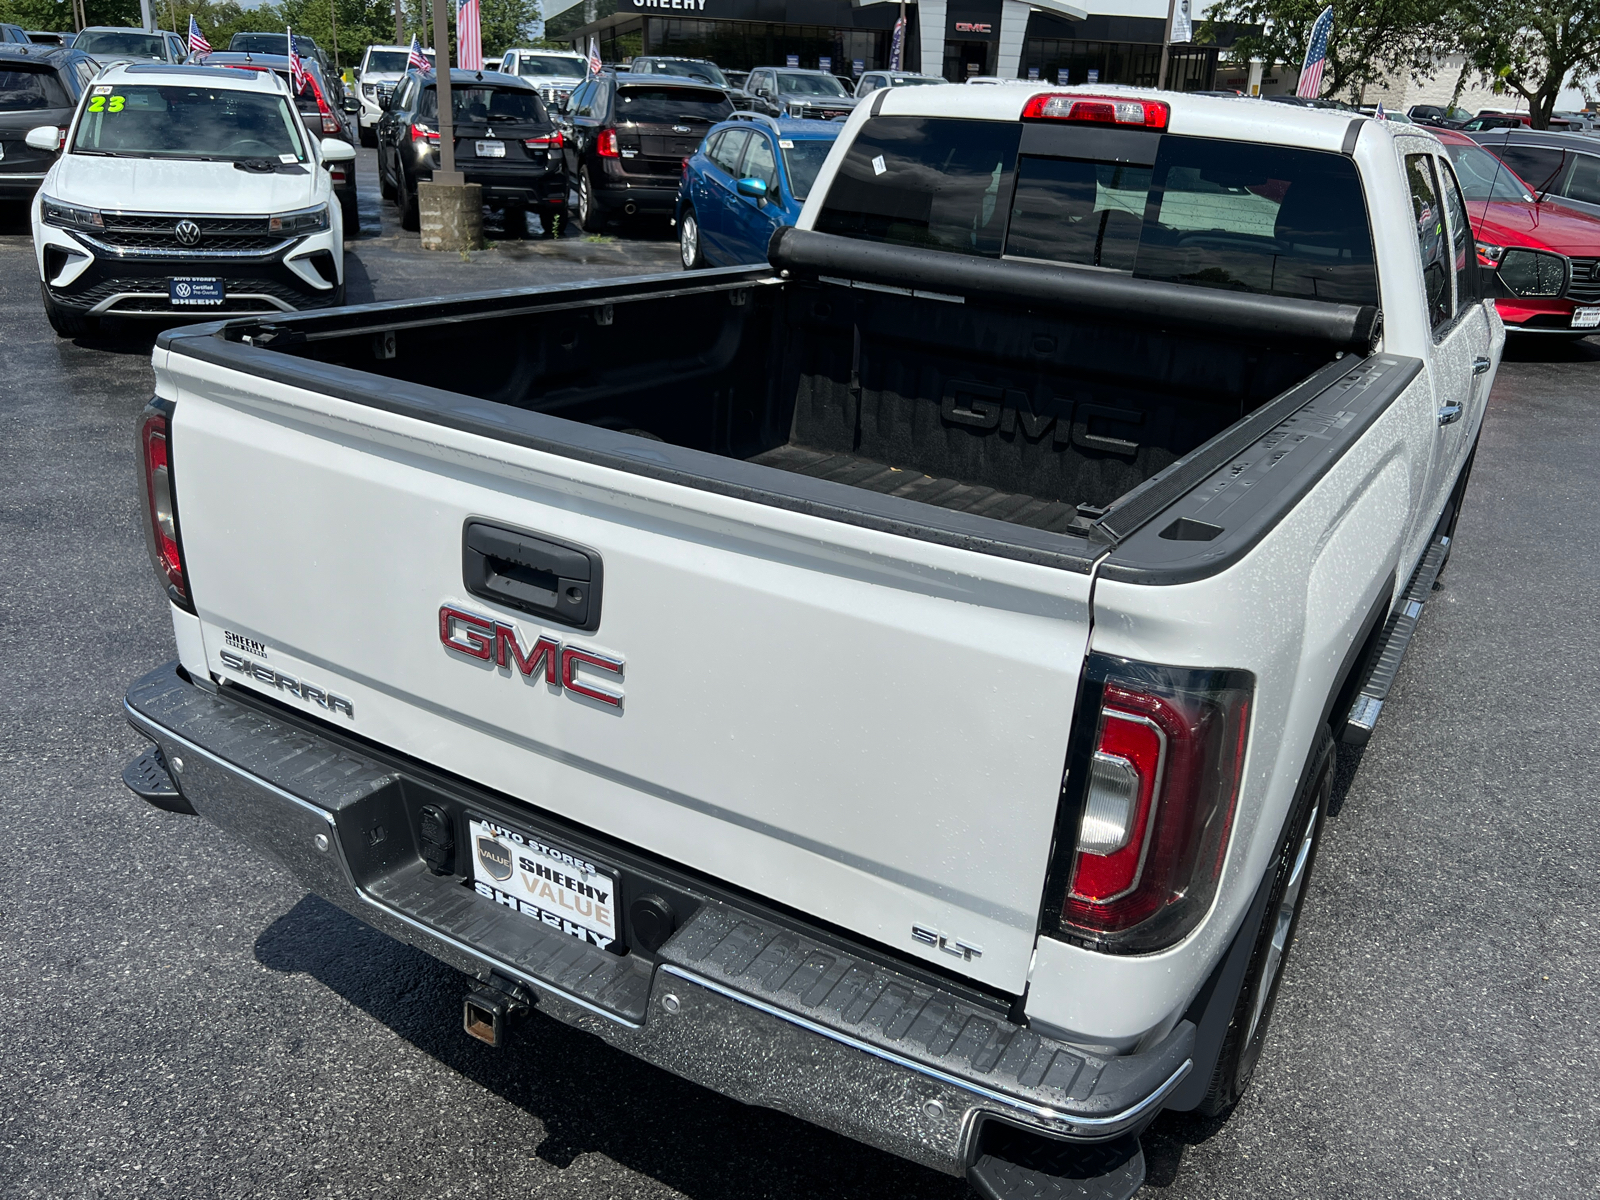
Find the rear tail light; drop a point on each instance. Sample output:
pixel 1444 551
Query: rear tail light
pixel 421 133
pixel 1153 778
pixel 1097 110
pixel 329 124
pixel 336 173
pixel 552 142
pixel 161 510
pixel 606 144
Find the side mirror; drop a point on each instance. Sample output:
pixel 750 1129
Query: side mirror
pixel 44 137
pixel 351 105
pixel 385 100
pixel 756 189
pixel 335 150
pixel 1528 273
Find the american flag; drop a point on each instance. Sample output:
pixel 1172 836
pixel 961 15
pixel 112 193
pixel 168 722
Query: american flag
pixel 897 45
pixel 197 40
pixel 297 70
pixel 416 58
pixel 1316 56
pixel 469 39
pixel 594 57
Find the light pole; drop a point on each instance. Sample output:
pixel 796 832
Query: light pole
pixel 447 172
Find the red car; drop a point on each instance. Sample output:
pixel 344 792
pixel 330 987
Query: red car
pixel 1504 213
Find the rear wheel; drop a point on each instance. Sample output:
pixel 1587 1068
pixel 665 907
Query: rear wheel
pixel 65 322
pixel 689 241
pixel 589 214
pixel 1241 1046
pixel 405 199
pixel 369 137
pixel 385 188
pixel 516 222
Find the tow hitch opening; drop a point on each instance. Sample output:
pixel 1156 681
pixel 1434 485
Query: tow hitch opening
pixel 489 1010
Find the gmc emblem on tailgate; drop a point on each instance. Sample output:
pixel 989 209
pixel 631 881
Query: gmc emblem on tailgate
pixel 494 641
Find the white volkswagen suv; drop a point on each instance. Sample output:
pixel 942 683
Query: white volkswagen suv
pixel 186 191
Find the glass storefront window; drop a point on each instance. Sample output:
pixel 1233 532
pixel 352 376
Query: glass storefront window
pixel 741 45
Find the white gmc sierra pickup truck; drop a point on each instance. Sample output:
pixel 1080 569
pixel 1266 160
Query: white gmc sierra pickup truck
pixel 898 684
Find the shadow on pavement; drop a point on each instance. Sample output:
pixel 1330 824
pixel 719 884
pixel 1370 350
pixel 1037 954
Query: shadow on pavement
pixel 1539 348
pixel 588 1096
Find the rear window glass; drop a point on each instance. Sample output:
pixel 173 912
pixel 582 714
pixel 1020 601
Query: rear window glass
pixel 113 44
pixel 485 104
pixel 1255 218
pixel 384 61
pixel 804 159
pixel 1268 219
pixel 25 89
pixel 635 103
pixel 933 182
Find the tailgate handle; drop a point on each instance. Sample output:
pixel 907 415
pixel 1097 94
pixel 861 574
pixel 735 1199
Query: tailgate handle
pixel 534 573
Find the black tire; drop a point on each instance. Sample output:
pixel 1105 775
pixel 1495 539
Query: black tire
pixel 64 321
pixel 590 215
pixel 690 252
pixel 1258 996
pixel 385 188
pixel 352 214
pixel 369 137
pixel 405 200
pixel 516 222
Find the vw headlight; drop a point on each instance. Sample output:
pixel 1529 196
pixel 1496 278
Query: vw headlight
pixel 304 220
pixel 70 216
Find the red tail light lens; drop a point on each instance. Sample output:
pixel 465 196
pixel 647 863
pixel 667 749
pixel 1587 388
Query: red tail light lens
pixel 421 133
pixel 553 142
pixel 1153 779
pixel 606 144
pixel 329 124
pixel 1097 110
pixel 161 510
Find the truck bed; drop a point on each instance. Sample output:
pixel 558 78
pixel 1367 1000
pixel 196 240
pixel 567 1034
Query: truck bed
pixel 1033 395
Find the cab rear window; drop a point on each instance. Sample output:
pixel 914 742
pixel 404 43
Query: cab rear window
pixel 1266 219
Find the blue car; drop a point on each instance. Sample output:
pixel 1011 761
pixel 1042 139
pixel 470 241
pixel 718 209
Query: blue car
pixel 749 177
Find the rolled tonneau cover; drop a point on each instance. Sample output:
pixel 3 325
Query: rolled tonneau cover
pixel 804 253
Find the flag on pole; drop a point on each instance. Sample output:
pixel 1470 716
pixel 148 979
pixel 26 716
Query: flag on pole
pixel 197 40
pixel 469 38
pixel 1380 114
pixel 594 57
pixel 416 59
pixel 1316 56
pixel 897 46
pixel 297 69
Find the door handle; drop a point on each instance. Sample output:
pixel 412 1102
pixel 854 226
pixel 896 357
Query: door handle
pixel 1480 365
pixel 547 578
pixel 1450 414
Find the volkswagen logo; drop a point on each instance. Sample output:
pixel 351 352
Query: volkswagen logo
pixel 188 233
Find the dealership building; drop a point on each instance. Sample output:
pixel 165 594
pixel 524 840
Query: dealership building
pixel 1072 41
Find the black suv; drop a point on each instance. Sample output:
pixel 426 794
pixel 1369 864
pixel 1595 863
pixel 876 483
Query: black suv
pixel 791 92
pixel 39 85
pixel 627 139
pixel 504 139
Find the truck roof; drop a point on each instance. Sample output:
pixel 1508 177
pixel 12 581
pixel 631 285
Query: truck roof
pixel 1241 118
pixel 159 73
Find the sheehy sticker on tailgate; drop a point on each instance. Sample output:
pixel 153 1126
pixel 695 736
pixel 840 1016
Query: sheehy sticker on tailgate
pixel 544 882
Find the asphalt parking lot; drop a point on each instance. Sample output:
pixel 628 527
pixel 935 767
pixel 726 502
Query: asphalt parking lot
pixel 181 1020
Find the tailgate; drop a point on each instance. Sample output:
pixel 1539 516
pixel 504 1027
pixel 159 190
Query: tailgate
pixel 868 728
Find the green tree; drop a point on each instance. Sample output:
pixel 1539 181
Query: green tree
pixel 1534 47
pixel 1372 40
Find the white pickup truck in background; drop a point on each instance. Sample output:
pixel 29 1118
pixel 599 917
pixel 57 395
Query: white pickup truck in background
pixel 897 685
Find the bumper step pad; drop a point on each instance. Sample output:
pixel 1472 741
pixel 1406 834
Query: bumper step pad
pixel 148 778
pixel 1019 1167
pixel 1368 704
pixel 888 1012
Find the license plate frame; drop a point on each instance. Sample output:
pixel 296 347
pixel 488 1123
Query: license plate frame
pixel 196 291
pixel 546 882
pixel 1586 318
pixel 489 149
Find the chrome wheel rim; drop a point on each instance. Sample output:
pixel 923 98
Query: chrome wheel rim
pixel 1284 921
pixel 689 240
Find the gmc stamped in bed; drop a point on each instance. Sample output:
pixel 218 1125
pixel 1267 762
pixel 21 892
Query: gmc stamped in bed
pixel 898 684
